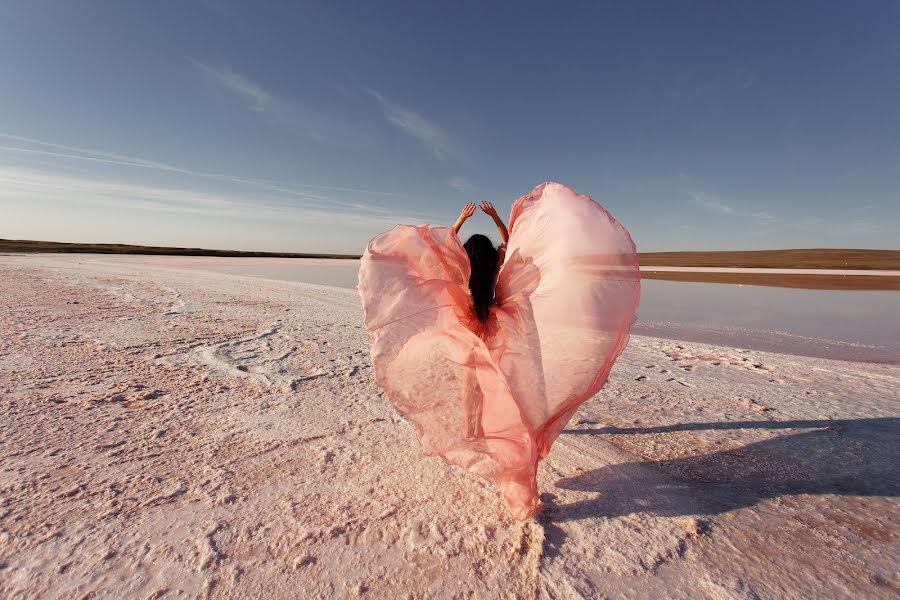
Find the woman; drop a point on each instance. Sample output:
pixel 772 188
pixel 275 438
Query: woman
pixel 489 352
pixel 484 260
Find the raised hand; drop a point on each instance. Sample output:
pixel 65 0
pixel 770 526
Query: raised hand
pixel 488 209
pixel 467 211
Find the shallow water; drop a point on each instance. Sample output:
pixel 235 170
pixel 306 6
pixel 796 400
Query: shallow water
pixel 847 325
pixel 322 271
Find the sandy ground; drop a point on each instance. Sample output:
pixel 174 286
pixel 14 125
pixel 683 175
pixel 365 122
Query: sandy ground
pixel 182 434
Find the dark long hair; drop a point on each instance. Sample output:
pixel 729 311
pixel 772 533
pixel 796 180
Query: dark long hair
pixel 484 258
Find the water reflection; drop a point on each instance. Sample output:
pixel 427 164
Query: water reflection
pixel 321 271
pixel 847 325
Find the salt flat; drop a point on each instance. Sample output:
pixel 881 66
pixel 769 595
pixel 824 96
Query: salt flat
pixel 178 433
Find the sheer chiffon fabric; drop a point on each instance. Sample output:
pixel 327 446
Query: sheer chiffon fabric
pixel 492 397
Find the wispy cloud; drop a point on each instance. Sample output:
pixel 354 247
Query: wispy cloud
pixel 766 222
pixel 413 124
pixel 461 184
pixel 79 153
pixel 855 226
pixel 711 204
pixel 717 206
pixel 321 126
pixel 692 86
pixel 260 99
pixel 33 186
pixel 34 147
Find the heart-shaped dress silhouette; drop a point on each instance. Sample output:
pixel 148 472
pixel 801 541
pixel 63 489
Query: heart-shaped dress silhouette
pixel 493 396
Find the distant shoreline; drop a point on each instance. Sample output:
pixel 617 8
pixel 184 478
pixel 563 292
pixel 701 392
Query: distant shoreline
pixel 813 281
pixel 75 248
pixel 812 258
pixel 805 258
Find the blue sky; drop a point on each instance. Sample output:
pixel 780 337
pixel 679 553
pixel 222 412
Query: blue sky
pixel 299 126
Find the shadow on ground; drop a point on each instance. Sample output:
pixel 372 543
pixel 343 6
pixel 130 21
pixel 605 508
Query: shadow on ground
pixel 845 457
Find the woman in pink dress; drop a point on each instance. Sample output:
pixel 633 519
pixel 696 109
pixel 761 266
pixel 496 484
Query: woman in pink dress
pixel 485 261
pixel 489 352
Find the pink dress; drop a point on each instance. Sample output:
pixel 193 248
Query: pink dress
pixel 492 397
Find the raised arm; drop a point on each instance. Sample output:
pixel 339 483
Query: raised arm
pixel 490 211
pixel 467 211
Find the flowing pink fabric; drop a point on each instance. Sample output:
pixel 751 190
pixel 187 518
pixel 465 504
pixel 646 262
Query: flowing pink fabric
pixel 493 397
